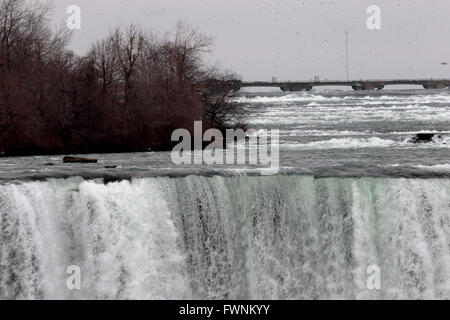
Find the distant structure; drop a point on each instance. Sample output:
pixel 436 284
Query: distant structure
pixel 355 84
pixel 316 79
pixel 274 79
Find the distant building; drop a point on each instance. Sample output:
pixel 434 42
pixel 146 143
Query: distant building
pixel 274 79
pixel 316 79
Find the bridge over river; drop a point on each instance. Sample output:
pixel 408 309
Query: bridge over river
pixel 355 84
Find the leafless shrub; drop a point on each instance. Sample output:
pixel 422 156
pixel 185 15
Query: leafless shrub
pixel 127 94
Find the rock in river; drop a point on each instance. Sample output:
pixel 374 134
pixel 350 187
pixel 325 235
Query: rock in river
pixel 78 160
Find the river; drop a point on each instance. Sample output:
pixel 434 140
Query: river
pixel 352 192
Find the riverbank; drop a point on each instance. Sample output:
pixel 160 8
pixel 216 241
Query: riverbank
pixel 128 93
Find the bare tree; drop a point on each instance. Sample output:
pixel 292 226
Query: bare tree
pixel 128 46
pixel 127 94
pixel 106 61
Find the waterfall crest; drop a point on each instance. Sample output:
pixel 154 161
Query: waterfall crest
pixel 283 237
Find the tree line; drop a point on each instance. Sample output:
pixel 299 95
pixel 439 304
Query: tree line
pixel 128 93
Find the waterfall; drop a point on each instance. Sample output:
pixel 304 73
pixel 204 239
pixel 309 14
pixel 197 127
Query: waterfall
pixel 282 237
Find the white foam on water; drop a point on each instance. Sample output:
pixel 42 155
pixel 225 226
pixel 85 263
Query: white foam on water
pixel 287 237
pixel 286 98
pixel 357 142
pixel 343 143
pixel 317 99
pixel 121 235
pixel 437 167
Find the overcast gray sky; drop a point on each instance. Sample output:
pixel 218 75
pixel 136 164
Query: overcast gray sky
pixel 291 39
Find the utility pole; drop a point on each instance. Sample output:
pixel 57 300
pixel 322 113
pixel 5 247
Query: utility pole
pixel 346 47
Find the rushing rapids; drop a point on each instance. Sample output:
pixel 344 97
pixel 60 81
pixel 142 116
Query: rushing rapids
pixel 287 237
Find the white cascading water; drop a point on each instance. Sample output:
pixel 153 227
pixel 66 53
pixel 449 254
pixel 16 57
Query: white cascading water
pixel 284 237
